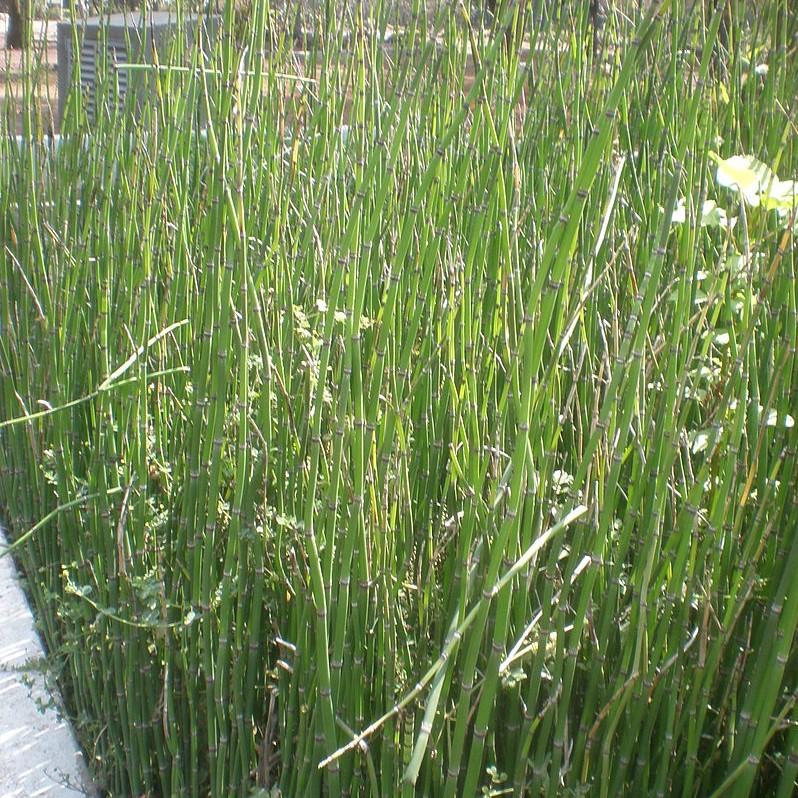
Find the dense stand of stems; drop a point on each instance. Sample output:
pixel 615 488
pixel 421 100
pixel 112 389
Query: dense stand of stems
pixel 368 426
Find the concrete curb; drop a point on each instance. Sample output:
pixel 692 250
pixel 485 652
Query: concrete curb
pixel 38 752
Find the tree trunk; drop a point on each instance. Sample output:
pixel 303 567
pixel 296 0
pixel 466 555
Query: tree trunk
pixel 15 35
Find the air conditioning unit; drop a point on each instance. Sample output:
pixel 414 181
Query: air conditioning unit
pixel 105 42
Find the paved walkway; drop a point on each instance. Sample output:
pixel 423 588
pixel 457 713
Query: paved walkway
pixel 38 753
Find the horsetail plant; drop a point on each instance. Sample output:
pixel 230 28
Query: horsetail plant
pixel 414 414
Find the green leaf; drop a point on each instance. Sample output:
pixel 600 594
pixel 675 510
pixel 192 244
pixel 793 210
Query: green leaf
pixel 712 215
pixel 679 215
pixel 749 176
pixel 780 196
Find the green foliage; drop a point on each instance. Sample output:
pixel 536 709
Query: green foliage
pixel 399 417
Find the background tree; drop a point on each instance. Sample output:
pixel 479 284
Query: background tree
pixel 15 33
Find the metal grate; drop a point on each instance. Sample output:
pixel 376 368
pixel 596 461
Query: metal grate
pixel 88 73
pixel 90 56
pixel 111 40
pixel 117 54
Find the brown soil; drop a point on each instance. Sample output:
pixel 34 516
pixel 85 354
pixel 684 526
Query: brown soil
pixel 43 59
